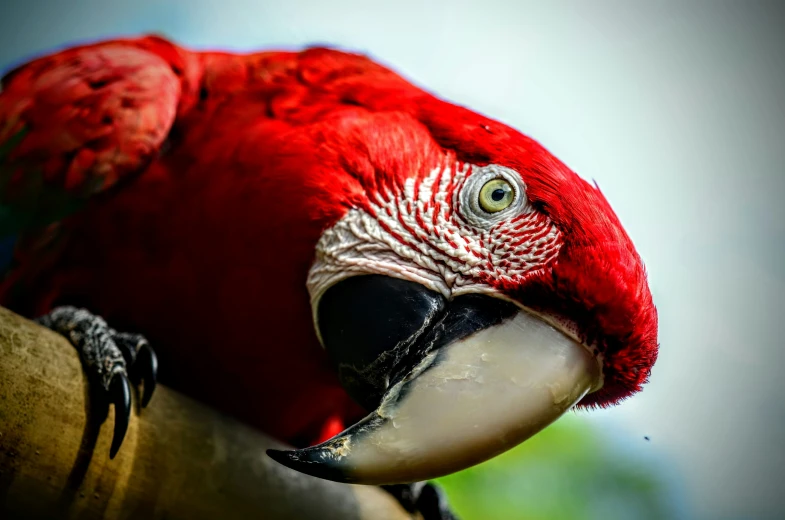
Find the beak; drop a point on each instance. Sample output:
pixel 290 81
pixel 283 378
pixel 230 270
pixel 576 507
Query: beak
pixel 452 383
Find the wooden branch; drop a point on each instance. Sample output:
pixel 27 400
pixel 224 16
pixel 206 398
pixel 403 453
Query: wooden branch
pixel 180 459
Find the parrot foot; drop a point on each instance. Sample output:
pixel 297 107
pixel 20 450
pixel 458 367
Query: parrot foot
pixel 425 498
pixel 105 355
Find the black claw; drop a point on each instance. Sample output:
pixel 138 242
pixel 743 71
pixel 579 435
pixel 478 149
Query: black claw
pixel 424 498
pixel 145 369
pixel 120 397
pixel 432 504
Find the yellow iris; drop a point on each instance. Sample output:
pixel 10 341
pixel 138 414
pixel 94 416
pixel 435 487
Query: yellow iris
pixel 496 195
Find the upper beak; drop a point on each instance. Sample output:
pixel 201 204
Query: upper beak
pixel 453 383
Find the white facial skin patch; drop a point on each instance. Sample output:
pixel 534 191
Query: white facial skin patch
pixel 435 233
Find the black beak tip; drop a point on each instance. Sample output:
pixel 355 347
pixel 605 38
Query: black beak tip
pixel 282 457
pixel 310 462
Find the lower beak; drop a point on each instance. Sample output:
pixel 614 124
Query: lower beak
pixel 470 379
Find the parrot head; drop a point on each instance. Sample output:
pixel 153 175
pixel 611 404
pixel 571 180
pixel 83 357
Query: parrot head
pixel 468 287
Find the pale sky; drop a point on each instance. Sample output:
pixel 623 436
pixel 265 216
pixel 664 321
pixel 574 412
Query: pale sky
pixel 676 109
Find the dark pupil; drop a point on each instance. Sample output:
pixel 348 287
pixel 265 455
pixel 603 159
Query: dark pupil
pixel 498 194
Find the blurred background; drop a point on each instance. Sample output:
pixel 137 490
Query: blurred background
pixel 677 110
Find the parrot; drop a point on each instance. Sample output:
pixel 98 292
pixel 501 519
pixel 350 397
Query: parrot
pixel 394 285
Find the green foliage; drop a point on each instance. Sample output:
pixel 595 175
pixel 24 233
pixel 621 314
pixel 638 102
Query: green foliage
pixel 569 471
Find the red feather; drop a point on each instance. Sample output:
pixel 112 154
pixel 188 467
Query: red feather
pixel 206 248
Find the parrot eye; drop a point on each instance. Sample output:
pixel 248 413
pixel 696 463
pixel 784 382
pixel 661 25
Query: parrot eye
pixel 492 194
pixel 496 195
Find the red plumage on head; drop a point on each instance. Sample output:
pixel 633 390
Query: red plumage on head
pixel 597 281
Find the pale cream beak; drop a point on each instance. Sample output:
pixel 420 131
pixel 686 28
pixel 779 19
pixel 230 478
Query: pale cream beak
pixel 463 404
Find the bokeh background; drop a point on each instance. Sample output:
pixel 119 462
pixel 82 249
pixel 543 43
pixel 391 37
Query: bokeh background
pixel 677 110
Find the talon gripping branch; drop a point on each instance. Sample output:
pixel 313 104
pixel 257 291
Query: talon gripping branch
pixel 432 287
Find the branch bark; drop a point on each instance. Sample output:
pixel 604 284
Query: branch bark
pixel 180 459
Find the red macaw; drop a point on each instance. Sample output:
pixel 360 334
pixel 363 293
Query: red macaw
pixel 309 241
